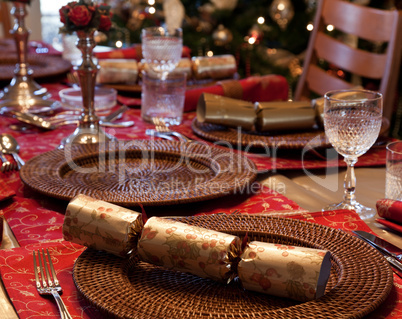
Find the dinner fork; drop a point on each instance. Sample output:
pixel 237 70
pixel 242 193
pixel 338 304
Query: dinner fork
pixel 49 286
pixel 6 164
pixel 160 126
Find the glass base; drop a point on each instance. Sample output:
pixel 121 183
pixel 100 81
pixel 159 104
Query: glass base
pixel 89 135
pixel 363 211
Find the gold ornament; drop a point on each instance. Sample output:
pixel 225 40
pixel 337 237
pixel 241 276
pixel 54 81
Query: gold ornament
pixel 222 36
pixel 281 11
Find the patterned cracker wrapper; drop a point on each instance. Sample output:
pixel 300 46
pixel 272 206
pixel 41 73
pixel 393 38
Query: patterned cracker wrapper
pixel 178 246
pixel 286 271
pixel 215 67
pixel 101 225
pixel 118 71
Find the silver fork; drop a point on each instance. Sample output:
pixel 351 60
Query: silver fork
pixel 49 286
pixel 6 164
pixel 160 126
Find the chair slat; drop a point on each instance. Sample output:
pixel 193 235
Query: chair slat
pixel 370 24
pixel 320 82
pixel 360 62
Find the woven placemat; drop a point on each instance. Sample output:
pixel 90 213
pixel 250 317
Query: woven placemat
pixel 42 65
pixel 360 278
pixel 148 172
pixel 292 140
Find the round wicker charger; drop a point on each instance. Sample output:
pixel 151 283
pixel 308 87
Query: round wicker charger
pixel 42 65
pixel 294 140
pixel 360 278
pixel 148 172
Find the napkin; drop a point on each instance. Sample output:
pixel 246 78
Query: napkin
pixel 252 89
pixel 391 212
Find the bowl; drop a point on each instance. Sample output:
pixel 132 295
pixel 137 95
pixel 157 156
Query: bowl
pixel 105 98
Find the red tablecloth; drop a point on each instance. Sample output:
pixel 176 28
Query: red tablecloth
pixel 36 227
pixel 36 220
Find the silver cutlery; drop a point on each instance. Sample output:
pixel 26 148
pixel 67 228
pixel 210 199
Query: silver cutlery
pixel 393 261
pixel 6 164
pixel 161 129
pixel 49 284
pixel 51 123
pixel 9 145
pixel 379 243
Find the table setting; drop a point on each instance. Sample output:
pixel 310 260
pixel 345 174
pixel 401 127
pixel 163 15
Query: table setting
pixel 195 193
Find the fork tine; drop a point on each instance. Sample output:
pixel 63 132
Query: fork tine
pixel 36 272
pixel 44 284
pixel 55 280
pixel 49 279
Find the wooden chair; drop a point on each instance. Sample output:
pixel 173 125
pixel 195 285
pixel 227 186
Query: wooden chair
pixel 376 25
pixel 5 20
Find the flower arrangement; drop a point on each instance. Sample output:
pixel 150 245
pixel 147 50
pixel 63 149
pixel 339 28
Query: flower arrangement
pixel 85 16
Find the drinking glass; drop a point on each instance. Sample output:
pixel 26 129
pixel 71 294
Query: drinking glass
pixel 393 173
pixel 162 49
pixel 352 122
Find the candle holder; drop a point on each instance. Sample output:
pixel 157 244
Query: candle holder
pixel 23 94
pixel 88 130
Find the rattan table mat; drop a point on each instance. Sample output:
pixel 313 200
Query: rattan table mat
pixel 292 140
pixel 42 65
pixel 360 278
pixel 149 172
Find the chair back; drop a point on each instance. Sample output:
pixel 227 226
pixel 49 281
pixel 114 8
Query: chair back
pixel 381 27
pixel 5 20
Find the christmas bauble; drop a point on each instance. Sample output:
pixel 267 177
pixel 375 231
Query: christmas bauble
pixel 281 11
pixel 222 36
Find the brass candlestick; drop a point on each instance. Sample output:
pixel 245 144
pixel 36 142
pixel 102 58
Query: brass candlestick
pixel 88 130
pixel 23 94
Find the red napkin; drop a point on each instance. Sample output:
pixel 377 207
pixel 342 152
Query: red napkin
pixel 133 52
pixel 254 89
pixel 391 212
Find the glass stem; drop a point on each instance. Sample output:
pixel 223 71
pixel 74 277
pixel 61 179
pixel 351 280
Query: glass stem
pixel 349 183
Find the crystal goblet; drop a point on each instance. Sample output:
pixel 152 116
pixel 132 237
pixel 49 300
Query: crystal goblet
pixel 352 122
pixel 162 49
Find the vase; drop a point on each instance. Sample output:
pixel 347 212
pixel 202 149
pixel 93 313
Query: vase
pixel 88 130
pixel 23 94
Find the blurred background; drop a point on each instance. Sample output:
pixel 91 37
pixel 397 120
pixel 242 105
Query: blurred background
pixel 265 36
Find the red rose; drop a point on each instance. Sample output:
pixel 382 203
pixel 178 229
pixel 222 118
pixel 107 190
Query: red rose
pixel 64 10
pixel 80 15
pixel 105 23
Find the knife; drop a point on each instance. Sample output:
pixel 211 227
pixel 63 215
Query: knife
pixel 392 260
pixel 380 243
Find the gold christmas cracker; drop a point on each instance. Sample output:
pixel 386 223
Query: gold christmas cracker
pixel 118 71
pixel 286 271
pixel 178 246
pixel 101 225
pixel 226 111
pixel 215 67
pixel 274 116
pixel 184 66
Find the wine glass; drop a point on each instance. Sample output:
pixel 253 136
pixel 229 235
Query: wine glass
pixel 162 49
pixel 352 122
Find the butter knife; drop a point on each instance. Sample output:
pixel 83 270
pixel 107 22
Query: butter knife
pixel 381 244
pixel 393 261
